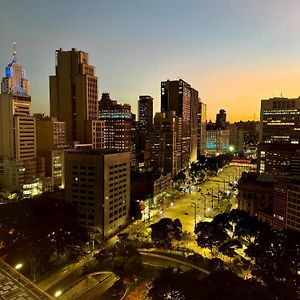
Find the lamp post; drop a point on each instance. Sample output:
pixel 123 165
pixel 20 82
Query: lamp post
pixel 218 192
pixel 204 207
pixel 229 177
pixel 195 206
pixel 212 197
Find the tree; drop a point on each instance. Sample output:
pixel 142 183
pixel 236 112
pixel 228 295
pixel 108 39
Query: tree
pixel 209 234
pixel 277 257
pixel 164 231
pixel 135 211
pixel 223 285
pixel 39 227
pixel 180 177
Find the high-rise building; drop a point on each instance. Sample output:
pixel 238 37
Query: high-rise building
pixel 178 96
pixel 165 142
pixel 19 167
pixel 276 159
pixel 280 121
pixel 145 125
pixel 279 134
pixel 97 183
pixel 51 142
pixel 286 205
pixel 74 93
pixel 202 117
pixel 145 113
pixel 194 124
pixel 118 126
pixel 221 119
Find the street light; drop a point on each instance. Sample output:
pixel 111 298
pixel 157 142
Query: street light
pixel 18 266
pixel 57 293
pixel 212 197
pixel 229 178
pixel 204 198
pixel 195 206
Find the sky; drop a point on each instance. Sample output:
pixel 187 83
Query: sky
pixel 234 52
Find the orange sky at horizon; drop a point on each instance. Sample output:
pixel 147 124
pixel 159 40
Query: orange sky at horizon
pixel 247 86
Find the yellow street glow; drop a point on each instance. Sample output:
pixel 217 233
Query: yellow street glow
pixel 57 293
pixel 19 266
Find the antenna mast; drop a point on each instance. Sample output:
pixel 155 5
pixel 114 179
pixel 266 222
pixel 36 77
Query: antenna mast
pixel 14 53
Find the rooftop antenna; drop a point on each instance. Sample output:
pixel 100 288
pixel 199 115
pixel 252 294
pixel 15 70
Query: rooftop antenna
pixel 14 53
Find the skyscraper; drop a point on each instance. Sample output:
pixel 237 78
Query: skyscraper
pixel 178 96
pixel 118 126
pixel 18 162
pixel 202 116
pixel 221 119
pixel 51 143
pixel 280 121
pixel 145 113
pixel 74 93
pixel 194 124
pixel 145 125
pixel 165 142
pixel 97 183
pixel 279 134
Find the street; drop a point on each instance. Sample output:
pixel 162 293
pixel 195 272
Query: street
pixel 203 202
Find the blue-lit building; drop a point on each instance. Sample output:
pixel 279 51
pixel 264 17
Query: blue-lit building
pixel 20 169
pixel 217 141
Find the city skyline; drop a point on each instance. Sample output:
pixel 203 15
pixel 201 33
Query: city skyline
pixel 234 53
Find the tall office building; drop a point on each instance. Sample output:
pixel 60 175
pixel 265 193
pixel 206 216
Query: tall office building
pixel 18 162
pixel 74 93
pixel 279 134
pixel 286 205
pixel 221 119
pixel 202 117
pixel 178 96
pixel 50 144
pixel 280 121
pixel 118 126
pixel 145 113
pixel 145 125
pixel 165 142
pixel 242 134
pixel 97 183
pixel 194 124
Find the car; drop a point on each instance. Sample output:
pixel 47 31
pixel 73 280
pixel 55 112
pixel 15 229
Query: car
pixel 186 213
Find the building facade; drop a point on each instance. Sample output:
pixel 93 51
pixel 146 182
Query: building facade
pixel 118 130
pixel 286 207
pixel 180 97
pixel 279 131
pixel 145 114
pixel 217 141
pixel 166 143
pixel 202 118
pixel 19 166
pixel 97 183
pixel 255 193
pixel 276 159
pixel 74 93
pixel 51 143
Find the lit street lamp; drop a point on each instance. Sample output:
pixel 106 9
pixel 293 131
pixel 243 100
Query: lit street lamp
pixel 18 266
pixel 57 293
